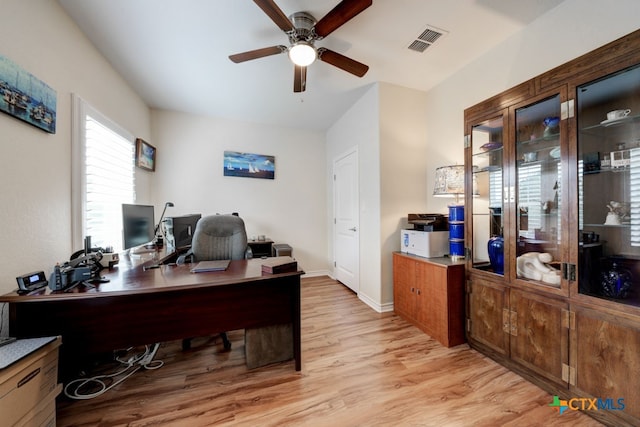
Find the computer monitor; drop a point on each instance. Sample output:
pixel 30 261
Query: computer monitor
pixel 138 225
pixel 179 230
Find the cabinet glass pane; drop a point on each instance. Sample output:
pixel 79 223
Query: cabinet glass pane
pixel 609 187
pixel 537 192
pixel 487 210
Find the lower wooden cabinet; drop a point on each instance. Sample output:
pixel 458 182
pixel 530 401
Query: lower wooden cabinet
pixel 539 333
pixel 488 315
pixel 429 292
pixel 528 328
pixel 584 353
pixel 605 361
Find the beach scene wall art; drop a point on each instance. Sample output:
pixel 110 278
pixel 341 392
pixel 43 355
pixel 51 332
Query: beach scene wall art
pixel 249 165
pixel 26 97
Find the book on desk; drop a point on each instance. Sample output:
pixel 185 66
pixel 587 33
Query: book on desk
pixel 279 264
pixel 214 265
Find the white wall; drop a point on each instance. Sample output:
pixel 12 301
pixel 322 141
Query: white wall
pixel 387 125
pixel 573 28
pixel 35 167
pixel 403 177
pixel 359 127
pixel 289 209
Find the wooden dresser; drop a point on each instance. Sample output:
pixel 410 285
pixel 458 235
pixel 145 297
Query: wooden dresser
pixel 429 292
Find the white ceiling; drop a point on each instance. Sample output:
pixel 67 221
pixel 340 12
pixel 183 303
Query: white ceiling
pixel 174 53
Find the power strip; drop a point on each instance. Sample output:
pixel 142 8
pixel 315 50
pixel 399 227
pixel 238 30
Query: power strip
pixel 148 358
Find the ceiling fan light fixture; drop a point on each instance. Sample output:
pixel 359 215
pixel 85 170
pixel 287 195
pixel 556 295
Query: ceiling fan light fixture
pixel 303 54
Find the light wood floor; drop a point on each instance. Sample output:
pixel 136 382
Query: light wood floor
pixel 359 368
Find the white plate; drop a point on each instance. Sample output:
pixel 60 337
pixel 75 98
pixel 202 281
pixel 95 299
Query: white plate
pixel 612 121
pixel 555 153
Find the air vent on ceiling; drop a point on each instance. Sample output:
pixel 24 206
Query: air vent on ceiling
pixel 428 37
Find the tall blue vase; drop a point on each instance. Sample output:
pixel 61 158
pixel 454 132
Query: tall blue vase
pixel 496 254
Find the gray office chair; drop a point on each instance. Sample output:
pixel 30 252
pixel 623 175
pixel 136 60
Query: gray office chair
pixel 218 237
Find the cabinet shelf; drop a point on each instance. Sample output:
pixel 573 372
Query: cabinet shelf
pixel 544 162
pixel 607 225
pixel 614 129
pixel 488 153
pixel 608 170
pixel 544 142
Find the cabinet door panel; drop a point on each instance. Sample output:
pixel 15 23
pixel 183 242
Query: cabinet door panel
pixel 487 303
pixel 486 210
pixel 539 201
pixel 539 339
pixel 432 299
pixel 404 273
pixel 606 356
pixel 608 172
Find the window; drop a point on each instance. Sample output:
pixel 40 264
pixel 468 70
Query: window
pixel 495 188
pixel 103 177
pixel 530 197
pixel 634 179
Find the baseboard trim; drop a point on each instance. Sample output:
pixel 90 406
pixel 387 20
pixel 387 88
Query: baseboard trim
pixel 317 273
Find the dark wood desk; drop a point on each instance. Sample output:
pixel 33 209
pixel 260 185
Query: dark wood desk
pixel 143 306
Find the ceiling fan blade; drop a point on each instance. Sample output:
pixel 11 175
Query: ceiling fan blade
pixel 344 11
pixel 347 64
pixel 276 14
pixel 258 53
pixel 299 78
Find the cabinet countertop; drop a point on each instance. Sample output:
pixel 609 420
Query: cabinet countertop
pixel 444 261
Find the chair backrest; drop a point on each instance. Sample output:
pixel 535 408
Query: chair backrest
pixel 219 237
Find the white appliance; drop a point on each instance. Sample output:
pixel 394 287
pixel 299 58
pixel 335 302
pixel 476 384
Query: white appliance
pixel 428 244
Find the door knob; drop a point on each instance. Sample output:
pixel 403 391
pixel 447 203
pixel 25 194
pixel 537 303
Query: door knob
pixel 352 229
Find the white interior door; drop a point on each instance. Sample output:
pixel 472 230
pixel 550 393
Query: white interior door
pixel 346 227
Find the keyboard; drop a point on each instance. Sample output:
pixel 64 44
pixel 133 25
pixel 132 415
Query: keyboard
pixel 6 340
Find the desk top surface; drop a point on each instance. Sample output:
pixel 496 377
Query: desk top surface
pixel 132 275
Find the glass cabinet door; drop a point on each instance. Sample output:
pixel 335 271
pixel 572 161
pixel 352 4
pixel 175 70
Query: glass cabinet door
pixel 608 121
pixel 487 209
pixel 538 199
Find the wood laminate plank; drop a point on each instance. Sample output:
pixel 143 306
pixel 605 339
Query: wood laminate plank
pixel 359 368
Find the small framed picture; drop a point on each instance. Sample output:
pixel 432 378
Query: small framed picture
pixel 145 155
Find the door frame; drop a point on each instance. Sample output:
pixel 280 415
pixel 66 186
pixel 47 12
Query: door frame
pixel 351 151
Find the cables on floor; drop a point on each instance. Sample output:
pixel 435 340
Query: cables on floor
pixel 88 388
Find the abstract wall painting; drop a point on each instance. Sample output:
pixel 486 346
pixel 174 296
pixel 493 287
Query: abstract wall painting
pixel 26 97
pixel 249 165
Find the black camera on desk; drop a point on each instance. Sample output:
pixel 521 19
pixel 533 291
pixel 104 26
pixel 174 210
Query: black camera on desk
pixel 66 276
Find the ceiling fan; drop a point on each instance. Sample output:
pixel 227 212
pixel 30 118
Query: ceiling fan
pixel 303 31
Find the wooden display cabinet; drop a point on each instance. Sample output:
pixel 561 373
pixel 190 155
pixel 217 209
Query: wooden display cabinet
pixel 429 292
pixel 558 182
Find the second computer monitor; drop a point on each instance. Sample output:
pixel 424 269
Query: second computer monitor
pixel 179 230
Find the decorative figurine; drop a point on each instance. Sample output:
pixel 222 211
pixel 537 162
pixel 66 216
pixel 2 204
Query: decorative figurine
pixel 618 212
pixel 534 265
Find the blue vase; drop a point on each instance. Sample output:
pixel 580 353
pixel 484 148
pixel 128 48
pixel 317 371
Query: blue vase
pixel 496 254
pixel 616 282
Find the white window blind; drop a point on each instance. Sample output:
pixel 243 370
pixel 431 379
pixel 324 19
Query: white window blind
pixel 495 189
pixel 529 196
pixel 558 189
pixel 580 195
pixel 104 177
pixel 634 197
